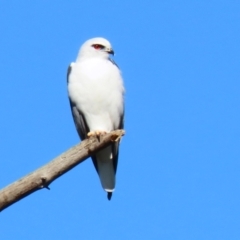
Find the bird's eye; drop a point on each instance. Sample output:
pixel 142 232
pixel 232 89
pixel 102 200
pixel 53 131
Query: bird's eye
pixel 98 46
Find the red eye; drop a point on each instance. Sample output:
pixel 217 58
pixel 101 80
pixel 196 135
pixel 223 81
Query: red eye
pixel 97 46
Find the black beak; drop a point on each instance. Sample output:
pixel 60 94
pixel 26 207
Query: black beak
pixel 110 51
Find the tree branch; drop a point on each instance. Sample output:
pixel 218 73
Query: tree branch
pixel 42 177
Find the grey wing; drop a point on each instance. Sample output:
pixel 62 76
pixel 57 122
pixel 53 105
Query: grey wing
pixel 80 122
pixel 115 146
pixel 78 116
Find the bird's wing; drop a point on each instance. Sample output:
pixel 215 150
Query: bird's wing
pixel 115 146
pixel 78 116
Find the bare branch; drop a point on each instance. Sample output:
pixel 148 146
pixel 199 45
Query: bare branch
pixel 42 177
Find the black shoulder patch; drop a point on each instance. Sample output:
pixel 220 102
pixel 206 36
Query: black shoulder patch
pixel 69 71
pixel 112 61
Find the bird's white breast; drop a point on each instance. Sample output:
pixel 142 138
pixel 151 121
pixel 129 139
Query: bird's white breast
pixel 96 87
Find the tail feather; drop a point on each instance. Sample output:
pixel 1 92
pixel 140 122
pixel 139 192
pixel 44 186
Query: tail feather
pixel 109 195
pixel 105 169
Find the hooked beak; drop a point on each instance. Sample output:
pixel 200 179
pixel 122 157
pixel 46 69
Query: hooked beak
pixel 110 51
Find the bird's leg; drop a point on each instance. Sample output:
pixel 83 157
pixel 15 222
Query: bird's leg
pixel 97 133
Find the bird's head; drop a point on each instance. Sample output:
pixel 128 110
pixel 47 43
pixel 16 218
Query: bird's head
pixel 96 47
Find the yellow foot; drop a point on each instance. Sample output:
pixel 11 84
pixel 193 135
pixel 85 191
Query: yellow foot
pixel 96 133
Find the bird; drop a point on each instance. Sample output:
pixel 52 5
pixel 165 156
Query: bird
pixel 96 94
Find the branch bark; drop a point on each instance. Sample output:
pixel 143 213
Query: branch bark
pixel 42 177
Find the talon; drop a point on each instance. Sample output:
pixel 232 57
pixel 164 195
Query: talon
pixel 97 133
pixel 118 138
pixel 90 134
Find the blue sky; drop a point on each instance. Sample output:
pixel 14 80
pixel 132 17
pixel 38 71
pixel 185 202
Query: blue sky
pixel 178 173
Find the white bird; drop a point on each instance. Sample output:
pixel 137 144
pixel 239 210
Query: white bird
pixel 95 89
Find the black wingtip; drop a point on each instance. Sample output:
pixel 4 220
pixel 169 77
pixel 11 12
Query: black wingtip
pixel 109 195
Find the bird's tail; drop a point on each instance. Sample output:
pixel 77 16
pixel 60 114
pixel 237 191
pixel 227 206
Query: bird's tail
pixel 105 169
